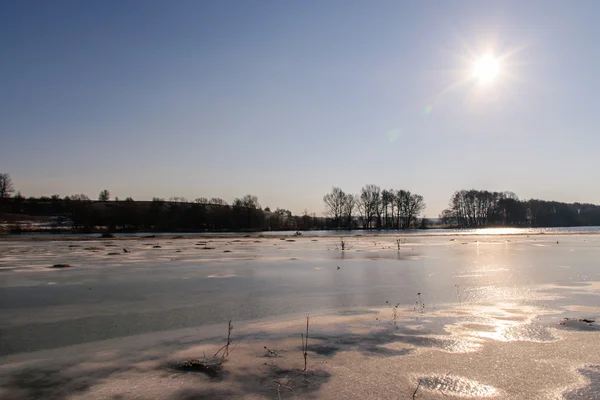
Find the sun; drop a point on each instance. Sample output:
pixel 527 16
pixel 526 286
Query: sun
pixel 486 68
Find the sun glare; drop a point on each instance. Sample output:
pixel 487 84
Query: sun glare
pixel 486 68
pixel 485 72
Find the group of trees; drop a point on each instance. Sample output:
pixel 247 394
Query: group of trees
pixel 481 208
pixel 475 208
pixel 373 208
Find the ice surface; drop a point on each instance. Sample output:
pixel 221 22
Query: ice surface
pixel 488 322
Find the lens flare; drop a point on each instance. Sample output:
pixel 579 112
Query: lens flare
pixel 393 135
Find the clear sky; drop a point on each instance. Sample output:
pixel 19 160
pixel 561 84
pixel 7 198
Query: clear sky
pixel 284 99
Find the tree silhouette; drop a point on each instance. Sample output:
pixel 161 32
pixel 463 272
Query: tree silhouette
pixel 104 195
pixel 348 209
pixel 6 186
pixel 217 201
pixel 370 204
pixel 334 205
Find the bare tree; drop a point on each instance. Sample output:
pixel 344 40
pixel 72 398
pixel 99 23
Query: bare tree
pixel 282 219
pixel 370 203
pixel 409 206
pixel 378 212
pixel 392 200
pixel 334 204
pixel 217 201
pixel 401 200
pixel 385 202
pixel 104 195
pixel 78 197
pixel 247 212
pixel 6 186
pixel 201 200
pixel 415 207
pixel 248 201
pixel 348 208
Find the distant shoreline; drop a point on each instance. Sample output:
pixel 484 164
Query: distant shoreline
pixel 243 235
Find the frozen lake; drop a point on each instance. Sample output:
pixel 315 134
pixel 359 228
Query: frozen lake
pixel 456 296
pixel 333 233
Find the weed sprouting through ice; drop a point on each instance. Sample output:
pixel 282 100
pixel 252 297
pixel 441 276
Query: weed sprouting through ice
pixel 305 344
pixel 225 348
pixel 419 305
pixel 394 311
pixel 210 366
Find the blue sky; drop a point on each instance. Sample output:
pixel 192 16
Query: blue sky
pixel 284 99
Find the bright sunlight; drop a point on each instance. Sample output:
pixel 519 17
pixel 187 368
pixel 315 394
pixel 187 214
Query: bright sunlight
pixel 486 68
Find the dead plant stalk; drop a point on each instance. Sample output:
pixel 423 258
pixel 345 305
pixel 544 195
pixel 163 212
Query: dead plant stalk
pixel 305 344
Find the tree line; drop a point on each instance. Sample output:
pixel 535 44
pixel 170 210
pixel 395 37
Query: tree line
pixel 157 215
pixel 79 213
pixel 372 208
pixel 481 208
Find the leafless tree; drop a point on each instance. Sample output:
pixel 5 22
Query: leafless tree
pixel 348 208
pixel 386 197
pixel 248 201
pixel 401 200
pixel 334 204
pixel 369 204
pixel 201 200
pixel 409 207
pixel 415 207
pixel 378 212
pixel 79 197
pixel 6 186
pixel 217 201
pixel 393 210
pixel 104 195
pixel 281 219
